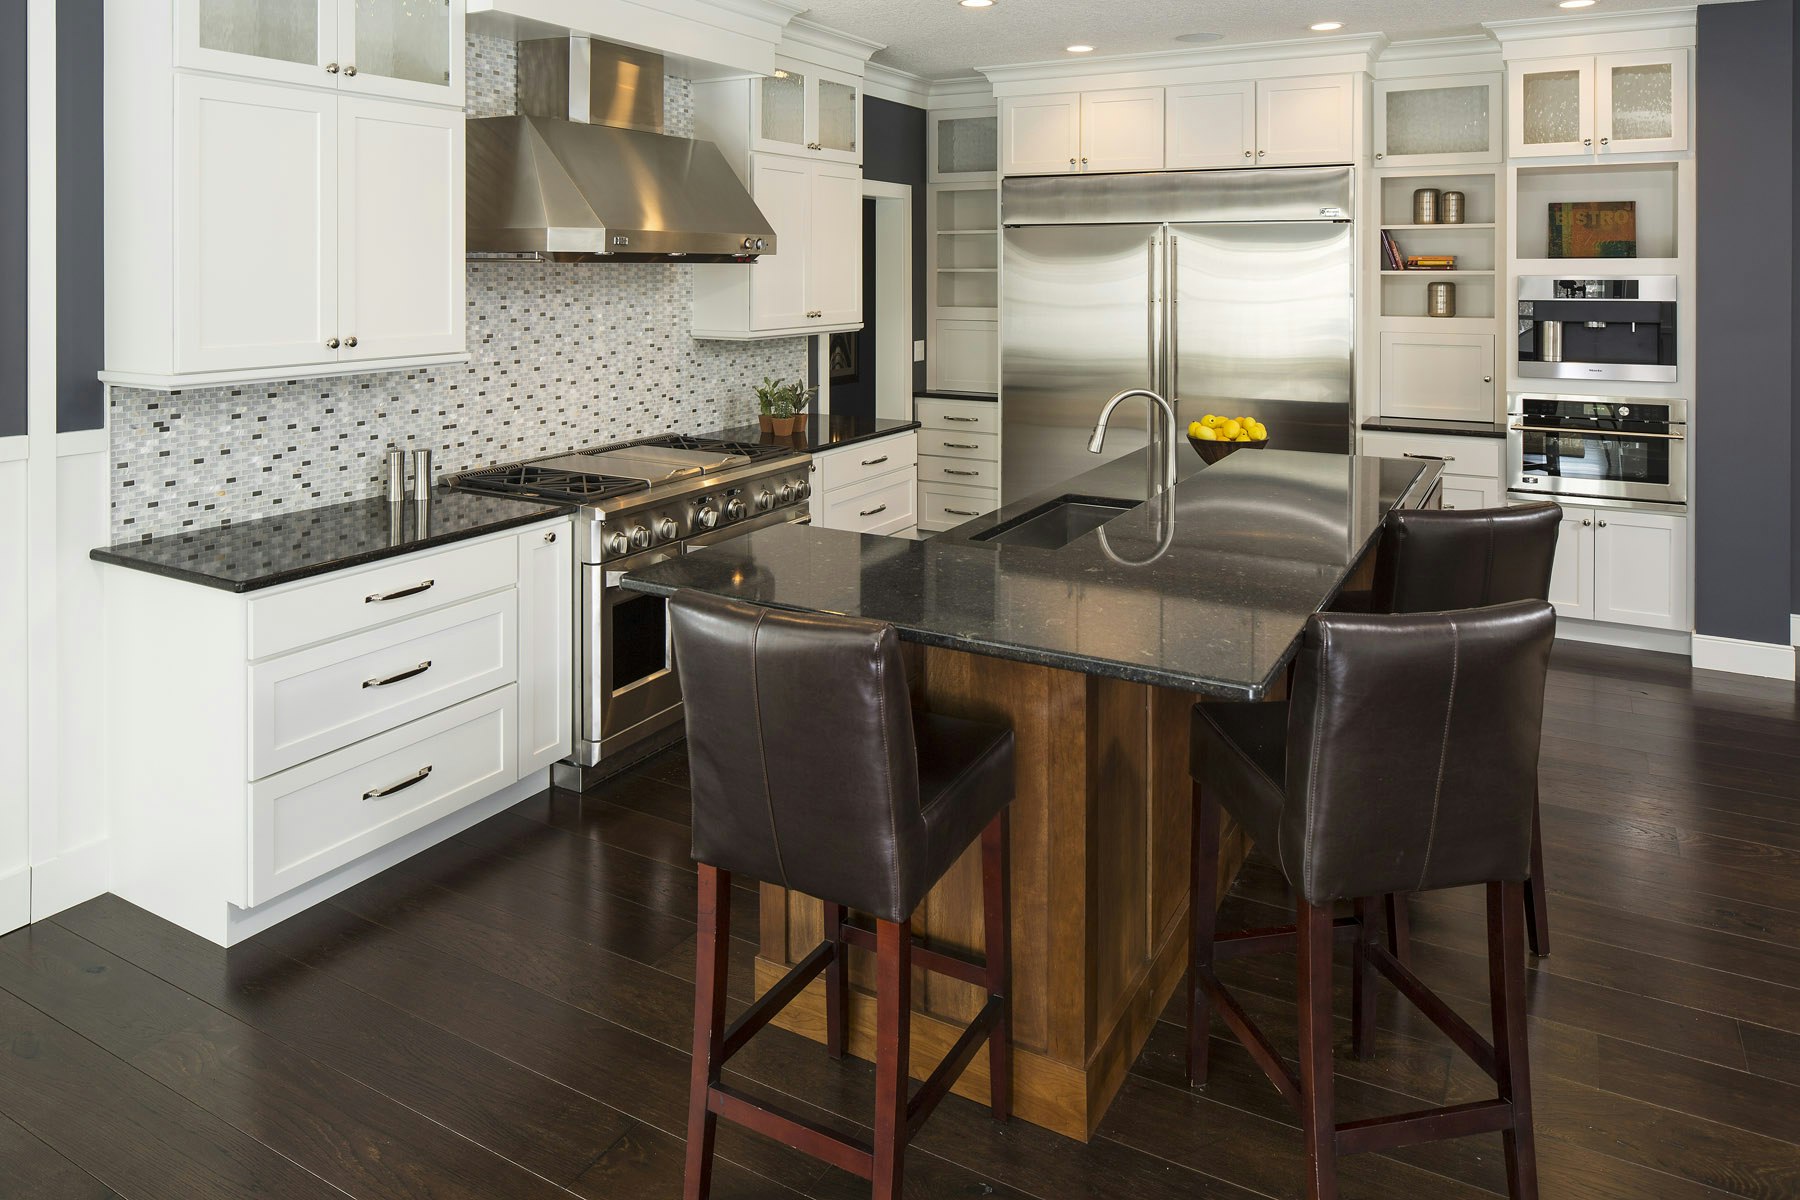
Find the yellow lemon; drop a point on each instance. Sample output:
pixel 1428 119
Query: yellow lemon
pixel 1259 433
pixel 1212 422
pixel 1230 429
pixel 1205 434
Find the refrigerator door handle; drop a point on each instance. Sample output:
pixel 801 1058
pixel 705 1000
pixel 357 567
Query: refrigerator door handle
pixel 1150 315
pixel 1173 288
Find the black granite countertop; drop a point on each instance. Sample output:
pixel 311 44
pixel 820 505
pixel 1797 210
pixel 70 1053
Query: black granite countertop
pixel 821 432
pixel 316 541
pixel 985 397
pixel 1480 429
pixel 1205 589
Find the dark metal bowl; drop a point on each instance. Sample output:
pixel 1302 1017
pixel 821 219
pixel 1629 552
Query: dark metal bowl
pixel 1212 452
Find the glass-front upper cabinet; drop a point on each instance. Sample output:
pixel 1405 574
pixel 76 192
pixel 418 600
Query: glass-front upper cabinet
pixel 807 110
pixel 1633 103
pixel 965 145
pixel 1438 121
pixel 408 49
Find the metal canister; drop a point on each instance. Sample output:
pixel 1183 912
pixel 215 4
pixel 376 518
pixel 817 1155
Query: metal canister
pixel 421 461
pixel 1452 206
pixel 1425 206
pixel 1549 341
pixel 396 475
pixel 1440 299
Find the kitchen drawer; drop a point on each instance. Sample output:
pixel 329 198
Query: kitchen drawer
pixel 962 471
pixel 856 465
pixel 982 446
pixel 318 816
pixel 314 701
pixel 964 416
pixel 1468 492
pixel 888 507
pixel 352 601
pixel 1461 455
pixel 943 506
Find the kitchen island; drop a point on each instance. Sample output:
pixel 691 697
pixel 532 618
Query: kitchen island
pixel 1088 619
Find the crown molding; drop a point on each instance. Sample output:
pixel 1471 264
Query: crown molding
pixel 901 87
pixel 1360 50
pixel 1439 56
pixel 1524 38
pixel 964 91
pixel 811 34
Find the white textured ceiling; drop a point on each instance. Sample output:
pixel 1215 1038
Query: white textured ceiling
pixel 940 40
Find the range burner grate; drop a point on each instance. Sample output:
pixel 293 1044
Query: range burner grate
pixel 548 483
pixel 754 451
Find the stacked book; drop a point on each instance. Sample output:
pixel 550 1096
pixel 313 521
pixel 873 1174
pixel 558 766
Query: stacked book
pixel 1393 260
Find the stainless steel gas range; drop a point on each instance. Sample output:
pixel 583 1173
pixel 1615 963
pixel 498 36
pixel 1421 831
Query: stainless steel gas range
pixel 644 502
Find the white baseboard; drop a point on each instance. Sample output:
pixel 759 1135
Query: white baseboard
pixel 1794 629
pixel 1631 637
pixel 15 899
pixel 1770 660
pixel 70 878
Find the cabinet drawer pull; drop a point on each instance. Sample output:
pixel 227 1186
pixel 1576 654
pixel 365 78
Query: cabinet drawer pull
pixel 415 589
pixel 879 508
pixel 961 446
pixel 961 512
pixel 382 793
pixel 965 420
pixel 1434 457
pixel 948 471
pixel 874 462
pixel 407 674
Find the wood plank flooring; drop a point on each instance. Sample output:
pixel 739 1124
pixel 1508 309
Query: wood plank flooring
pixel 507 1015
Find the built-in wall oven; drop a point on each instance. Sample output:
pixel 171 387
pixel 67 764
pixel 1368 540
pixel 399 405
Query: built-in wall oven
pixel 1597 447
pixel 1611 328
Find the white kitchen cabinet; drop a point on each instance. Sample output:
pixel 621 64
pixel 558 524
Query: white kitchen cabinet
pixel 1122 130
pixel 783 190
pixel 1210 125
pixel 1640 568
pixel 834 288
pixel 1437 376
pixel 965 355
pixel 1438 121
pixel 1040 135
pixel 400 198
pixel 963 144
pixel 1628 103
pixel 1572 574
pixel 868 487
pixel 1306 120
pixel 957 435
pixel 405 49
pixel 1470 477
pixel 807 110
pixel 546 659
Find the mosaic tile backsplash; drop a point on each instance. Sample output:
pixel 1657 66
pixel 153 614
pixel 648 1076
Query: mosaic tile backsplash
pixel 562 356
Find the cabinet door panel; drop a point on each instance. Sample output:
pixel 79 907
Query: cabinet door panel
pixel 1572 575
pixel 966 355
pixel 778 281
pixel 546 658
pixel 1440 376
pixel 1041 135
pixel 256 245
pixel 1641 102
pixel 407 49
pixel 1306 120
pixel 1210 125
pixel 1437 121
pixel 1640 569
pixel 839 120
pixel 1122 130
pixel 834 270
pixel 277 41
pixel 400 229
pixel 1550 107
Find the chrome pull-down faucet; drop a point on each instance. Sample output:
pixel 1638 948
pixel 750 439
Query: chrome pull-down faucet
pixel 1162 437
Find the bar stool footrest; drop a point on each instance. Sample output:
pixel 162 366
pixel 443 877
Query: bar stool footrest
pixel 1426 1125
pixel 809 1137
pixel 945 1075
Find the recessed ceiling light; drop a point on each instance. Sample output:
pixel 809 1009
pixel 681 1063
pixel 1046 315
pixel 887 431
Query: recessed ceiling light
pixel 1078 48
pixel 976 3
pixel 1576 4
pixel 1328 26
pixel 1198 37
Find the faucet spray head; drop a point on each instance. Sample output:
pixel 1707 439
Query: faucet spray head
pixel 1099 439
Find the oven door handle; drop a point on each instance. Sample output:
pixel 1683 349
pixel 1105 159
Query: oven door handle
pixel 1521 427
pixel 617 570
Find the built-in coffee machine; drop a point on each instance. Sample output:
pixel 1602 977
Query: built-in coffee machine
pixel 1609 328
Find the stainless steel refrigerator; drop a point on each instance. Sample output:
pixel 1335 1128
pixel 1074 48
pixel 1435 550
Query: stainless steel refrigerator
pixel 1225 291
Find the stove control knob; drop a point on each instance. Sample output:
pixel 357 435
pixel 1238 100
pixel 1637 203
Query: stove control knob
pixel 666 529
pixel 803 489
pixel 640 538
pixel 787 493
pixel 734 509
pixel 708 517
pixel 765 500
pixel 617 543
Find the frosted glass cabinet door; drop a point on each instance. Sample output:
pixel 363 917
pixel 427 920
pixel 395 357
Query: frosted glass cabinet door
pixel 1438 122
pixel 408 49
pixel 1641 102
pixel 781 112
pixel 840 121
pixel 1550 107
pixel 964 145
pixel 286 41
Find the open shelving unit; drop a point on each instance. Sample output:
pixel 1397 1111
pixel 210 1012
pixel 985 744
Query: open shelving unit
pixel 964 280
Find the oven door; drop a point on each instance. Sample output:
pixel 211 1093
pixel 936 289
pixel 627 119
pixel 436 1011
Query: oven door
pixel 628 683
pixel 1566 456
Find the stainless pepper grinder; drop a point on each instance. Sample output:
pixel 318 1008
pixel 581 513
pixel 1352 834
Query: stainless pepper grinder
pixel 421 460
pixel 396 475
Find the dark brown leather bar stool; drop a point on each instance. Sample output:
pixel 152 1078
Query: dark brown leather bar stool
pixel 1403 762
pixel 1435 560
pixel 810 769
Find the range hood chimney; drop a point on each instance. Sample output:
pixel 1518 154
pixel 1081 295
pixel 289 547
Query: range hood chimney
pixel 585 172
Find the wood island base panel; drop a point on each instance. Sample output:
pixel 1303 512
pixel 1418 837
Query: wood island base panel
pixel 1100 842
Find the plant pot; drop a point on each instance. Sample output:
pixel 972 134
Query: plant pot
pixel 782 426
pixel 765 422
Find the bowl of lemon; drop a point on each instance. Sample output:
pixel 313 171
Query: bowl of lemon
pixel 1213 437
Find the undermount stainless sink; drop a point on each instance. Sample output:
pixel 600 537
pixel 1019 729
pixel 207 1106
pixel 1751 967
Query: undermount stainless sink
pixel 1054 525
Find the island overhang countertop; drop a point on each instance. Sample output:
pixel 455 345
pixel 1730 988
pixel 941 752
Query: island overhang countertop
pixel 1204 589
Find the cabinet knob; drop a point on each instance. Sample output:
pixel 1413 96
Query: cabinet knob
pixel 1260 153
pixel 331 343
pixel 1587 141
pixel 1247 154
pixel 1605 141
pixel 331 68
pixel 1603 524
pixel 350 341
pixel 1380 155
pixel 1586 521
pixel 1487 379
pixel 1084 162
pixel 550 536
pixel 1071 162
pixel 348 71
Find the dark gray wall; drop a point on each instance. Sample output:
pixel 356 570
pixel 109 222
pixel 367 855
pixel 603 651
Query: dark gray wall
pixel 857 397
pixel 12 217
pixel 894 152
pixel 80 274
pixel 1794 558
pixel 1744 392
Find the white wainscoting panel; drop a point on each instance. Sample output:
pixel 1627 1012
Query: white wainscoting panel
pixel 15 873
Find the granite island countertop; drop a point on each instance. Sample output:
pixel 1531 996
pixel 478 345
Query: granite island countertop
pixel 252 555
pixel 1205 589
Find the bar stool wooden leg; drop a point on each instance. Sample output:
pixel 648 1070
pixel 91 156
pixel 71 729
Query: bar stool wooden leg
pixel 1362 1004
pixel 1203 921
pixel 710 970
pixel 1318 1110
pixel 1399 928
pixel 1537 905
pixel 893 1050
pixel 996 888
pixel 1506 996
pixel 837 981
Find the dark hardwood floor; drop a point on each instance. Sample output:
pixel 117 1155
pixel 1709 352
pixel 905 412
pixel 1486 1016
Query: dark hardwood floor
pixel 508 1014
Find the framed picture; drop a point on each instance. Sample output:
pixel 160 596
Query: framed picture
pixel 1593 229
pixel 843 357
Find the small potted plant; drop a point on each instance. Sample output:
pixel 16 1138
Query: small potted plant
pixel 765 399
pixel 786 402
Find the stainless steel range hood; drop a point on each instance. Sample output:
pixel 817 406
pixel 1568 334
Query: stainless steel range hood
pixel 585 173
